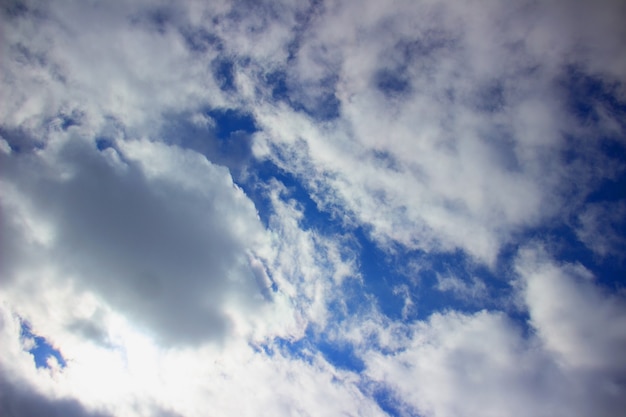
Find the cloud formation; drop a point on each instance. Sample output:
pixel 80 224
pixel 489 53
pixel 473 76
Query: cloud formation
pixel 318 207
pixel 567 363
pixel 156 231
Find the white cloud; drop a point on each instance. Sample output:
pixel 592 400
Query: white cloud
pixel 576 319
pixel 307 266
pixel 599 225
pixel 570 363
pixel 460 143
pixel 138 378
pixel 100 60
pixel 474 291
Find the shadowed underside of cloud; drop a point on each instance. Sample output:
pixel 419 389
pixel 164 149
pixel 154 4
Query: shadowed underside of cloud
pixel 318 207
pixel 20 401
pixel 156 231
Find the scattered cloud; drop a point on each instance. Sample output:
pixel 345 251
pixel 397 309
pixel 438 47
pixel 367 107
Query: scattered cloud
pixel 599 228
pixel 567 363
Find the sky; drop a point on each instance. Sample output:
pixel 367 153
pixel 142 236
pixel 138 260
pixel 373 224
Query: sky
pixel 409 208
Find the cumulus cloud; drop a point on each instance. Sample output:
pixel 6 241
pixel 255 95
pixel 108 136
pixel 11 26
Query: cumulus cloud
pixel 140 378
pixel 158 232
pixel 576 319
pixel 568 363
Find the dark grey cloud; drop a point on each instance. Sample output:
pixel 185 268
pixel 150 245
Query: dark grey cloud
pixel 20 400
pixel 166 255
pixel 92 330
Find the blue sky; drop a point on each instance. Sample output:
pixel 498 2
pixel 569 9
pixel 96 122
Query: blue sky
pixel 313 208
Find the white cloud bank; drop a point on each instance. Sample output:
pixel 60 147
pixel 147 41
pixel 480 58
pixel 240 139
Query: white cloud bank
pixel 453 121
pixel 569 364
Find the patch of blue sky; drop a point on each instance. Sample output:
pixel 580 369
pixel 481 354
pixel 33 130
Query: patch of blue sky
pixel 379 269
pixel 298 348
pixel 67 120
pixel 387 400
pixel 321 222
pixel 20 140
pixel 200 40
pixel 393 277
pixel 229 121
pixel 609 271
pixel 263 172
pixel 392 83
pixel 225 140
pixel 324 107
pixel 317 101
pixel 586 94
pixel 595 103
pixel 103 143
pixel 382 272
pixel 352 300
pixel 565 246
pixel 612 189
pixel 277 81
pixel 223 72
pixel 355 295
pixel 41 350
pixel 340 354
pixel 255 187
pixel 379 275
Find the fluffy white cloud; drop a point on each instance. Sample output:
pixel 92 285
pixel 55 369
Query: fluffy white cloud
pixel 568 363
pixel 139 378
pixel 582 324
pixel 451 130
